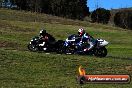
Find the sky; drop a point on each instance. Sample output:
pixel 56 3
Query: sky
pixel 108 4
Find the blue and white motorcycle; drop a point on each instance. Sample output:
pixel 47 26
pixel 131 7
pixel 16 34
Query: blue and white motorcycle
pixel 72 45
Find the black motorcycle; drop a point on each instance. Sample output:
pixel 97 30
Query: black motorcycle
pixel 37 44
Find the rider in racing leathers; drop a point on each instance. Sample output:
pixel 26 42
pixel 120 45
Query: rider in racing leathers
pixel 85 37
pixel 45 37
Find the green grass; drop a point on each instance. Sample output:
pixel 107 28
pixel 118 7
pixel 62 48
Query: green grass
pixel 22 68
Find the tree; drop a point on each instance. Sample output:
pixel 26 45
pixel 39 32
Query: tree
pixel 1 3
pixel 22 4
pixel 100 15
pixel 123 19
pixel 34 5
pixel 75 9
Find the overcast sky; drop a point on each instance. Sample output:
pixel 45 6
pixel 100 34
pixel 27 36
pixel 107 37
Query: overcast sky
pixel 108 4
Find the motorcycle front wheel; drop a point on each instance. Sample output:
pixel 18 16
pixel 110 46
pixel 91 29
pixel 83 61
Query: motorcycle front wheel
pixel 100 52
pixel 32 48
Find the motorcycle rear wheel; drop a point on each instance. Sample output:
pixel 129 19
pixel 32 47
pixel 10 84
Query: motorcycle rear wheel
pixel 69 50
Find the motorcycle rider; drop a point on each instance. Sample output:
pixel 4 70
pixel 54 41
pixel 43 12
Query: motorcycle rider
pixel 45 37
pixel 85 38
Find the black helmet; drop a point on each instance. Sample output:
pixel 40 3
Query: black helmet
pixel 42 32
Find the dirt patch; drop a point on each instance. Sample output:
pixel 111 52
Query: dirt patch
pixel 128 68
pixel 8 44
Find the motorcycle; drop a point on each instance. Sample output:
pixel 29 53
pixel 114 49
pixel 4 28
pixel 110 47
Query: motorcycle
pixel 72 45
pixel 37 44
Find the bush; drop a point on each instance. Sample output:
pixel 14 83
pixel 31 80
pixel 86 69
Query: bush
pixel 123 19
pixel 100 15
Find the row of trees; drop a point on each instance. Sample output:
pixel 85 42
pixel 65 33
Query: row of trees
pixel 75 9
pixel 123 19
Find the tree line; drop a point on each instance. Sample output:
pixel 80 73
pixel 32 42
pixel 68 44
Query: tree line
pixel 123 19
pixel 74 9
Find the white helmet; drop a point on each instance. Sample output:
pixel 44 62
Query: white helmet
pixel 81 31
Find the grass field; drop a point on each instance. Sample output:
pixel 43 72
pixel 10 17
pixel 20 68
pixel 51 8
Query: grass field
pixel 22 68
